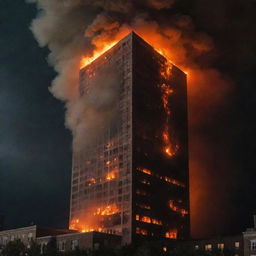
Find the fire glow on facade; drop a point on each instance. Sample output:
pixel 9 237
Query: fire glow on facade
pixel 116 185
pixel 169 147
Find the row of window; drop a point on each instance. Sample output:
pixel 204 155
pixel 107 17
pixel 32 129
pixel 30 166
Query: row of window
pixel 221 246
pixel 25 236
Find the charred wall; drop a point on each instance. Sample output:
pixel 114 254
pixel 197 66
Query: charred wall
pixel 160 181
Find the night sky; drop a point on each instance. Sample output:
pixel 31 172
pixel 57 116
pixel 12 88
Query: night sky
pixel 35 147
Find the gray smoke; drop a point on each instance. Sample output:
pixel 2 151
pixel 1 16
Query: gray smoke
pixel 90 113
pixel 75 28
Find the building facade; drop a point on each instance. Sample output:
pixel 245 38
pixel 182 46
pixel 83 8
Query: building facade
pixel 229 245
pixel 66 240
pixel 133 180
pixel 1 222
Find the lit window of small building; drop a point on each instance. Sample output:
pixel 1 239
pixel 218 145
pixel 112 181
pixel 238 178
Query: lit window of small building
pixel 220 246
pixel 208 247
pixel 165 249
pixel 74 244
pixel 62 246
pixel 253 245
pixel 197 247
pixel 42 247
pixel 237 245
pixel 30 236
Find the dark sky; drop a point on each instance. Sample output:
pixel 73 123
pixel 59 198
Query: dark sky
pixel 35 147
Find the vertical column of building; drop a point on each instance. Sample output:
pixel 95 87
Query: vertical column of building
pixel 160 157
pixel 101 175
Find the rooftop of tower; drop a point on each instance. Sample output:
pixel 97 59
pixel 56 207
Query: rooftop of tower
pixel 109 47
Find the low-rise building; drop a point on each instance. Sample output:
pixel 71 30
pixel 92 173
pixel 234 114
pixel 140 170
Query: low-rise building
pixel 89 240
pixel 66 239
pixel 243 244
pixel 233 244
pixel 250 240
pixel 27 234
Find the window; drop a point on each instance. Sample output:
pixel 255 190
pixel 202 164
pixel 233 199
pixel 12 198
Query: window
pixel 197 247
pixel 30 236
pixel 96 246
pixel 62 246
pixel 42 247
pixel 253 245
pixel 74 244
pixel 208 247
pixel 237 245
pixel 220 246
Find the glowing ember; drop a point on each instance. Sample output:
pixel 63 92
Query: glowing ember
pixel 145 171
pixel 112 175
pixel 91 182
pixel 172 234
pixel 175 208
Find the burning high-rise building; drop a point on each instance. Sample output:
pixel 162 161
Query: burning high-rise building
pixel 132 179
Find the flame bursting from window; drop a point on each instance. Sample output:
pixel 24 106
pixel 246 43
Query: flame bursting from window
pixel 92 220
pixel 141 231
pixel 165 178
pixel 172 234
pixel 145 171
pixel 108 210
pixel 112 175
pixel 175 208
pixel 147 219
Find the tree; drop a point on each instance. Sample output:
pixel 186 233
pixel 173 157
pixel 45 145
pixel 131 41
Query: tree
pixel 34 249
pixel 14 248
pixel 76 252
pixel 51 248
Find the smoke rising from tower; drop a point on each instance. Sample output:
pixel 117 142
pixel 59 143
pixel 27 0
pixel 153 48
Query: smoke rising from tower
pixel 78 29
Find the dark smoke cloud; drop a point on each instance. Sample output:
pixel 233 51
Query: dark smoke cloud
pixel 75 28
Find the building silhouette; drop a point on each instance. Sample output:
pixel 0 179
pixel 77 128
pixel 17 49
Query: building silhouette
pixel 133 179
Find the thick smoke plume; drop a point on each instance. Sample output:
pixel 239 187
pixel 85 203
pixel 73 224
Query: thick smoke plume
pixel 73 29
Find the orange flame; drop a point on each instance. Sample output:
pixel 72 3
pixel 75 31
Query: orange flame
pixel 108 210
pixel 97 53
pixel 92 220
pixel 172 234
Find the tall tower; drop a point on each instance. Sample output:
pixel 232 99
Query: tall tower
pixel 134 180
